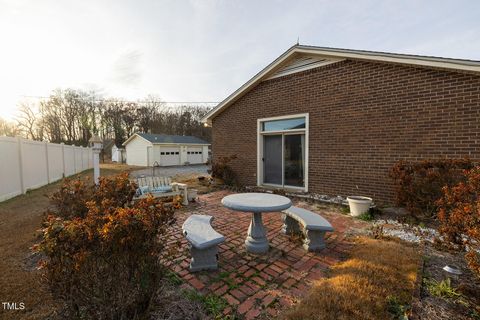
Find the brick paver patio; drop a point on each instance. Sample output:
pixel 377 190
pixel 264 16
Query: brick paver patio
pixel 259 286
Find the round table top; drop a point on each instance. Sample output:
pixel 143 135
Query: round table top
pixel 256 202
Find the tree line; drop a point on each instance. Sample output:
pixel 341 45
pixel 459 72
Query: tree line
pixel 73 116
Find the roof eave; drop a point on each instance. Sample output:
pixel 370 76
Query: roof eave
pixel 183 143
pixel 434 62
pixel 256 78
pixel 132 137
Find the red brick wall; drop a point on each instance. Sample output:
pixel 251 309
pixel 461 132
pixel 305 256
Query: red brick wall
pixel 364 117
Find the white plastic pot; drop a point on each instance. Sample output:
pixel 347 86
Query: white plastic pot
pixel 359 205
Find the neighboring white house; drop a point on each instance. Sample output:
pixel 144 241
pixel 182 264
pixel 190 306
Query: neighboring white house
pixel 145 149
pixel 118 154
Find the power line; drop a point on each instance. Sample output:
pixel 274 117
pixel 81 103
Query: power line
pixel 126 101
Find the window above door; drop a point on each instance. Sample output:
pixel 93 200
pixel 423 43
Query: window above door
pixel 284 124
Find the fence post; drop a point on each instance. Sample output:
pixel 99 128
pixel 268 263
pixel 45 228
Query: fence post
pixel 63 159
pixel 81 158
pixel 20 157
pixel 97 145
pixel 74 159
pixel 46 158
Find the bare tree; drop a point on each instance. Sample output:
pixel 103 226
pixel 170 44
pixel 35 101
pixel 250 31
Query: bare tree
pixel 51 119
pixel 29 123
pixel 72 116
pixel 183 120
pixel 147 111
pixel 8 129
pixel 113 114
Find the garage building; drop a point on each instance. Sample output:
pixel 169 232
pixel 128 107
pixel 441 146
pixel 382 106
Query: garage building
pixel 145 149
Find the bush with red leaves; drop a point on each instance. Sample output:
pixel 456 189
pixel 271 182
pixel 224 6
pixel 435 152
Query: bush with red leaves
pixel 222 170
pixel 418 185
pixel 459 215
pixel 102 251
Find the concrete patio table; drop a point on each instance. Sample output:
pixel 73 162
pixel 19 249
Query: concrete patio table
pixel 256 203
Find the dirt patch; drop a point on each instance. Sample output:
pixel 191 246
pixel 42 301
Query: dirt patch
pixel 431 306
pixel 170 303
pixel 21 218
pixel 203 183
pixel 441 295
pixel 170 171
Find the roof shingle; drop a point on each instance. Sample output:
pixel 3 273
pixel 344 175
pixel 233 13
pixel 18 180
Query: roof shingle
pixel 165 138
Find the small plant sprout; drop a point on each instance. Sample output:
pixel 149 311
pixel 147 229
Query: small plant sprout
pixel 397 309
pixel 442 288
pixel 345 209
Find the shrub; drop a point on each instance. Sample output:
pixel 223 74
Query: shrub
pixel 119 189
pixel 418 185
pixel 103 264
pixel 222 170
pixel 459 216
pixel 71 200
pixel 367 216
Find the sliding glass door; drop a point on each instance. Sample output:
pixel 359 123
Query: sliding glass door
pixel 284 159
pixel 272 159
pixel 293 159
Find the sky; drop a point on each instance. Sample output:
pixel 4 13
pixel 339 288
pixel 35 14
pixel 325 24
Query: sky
pixel 203 50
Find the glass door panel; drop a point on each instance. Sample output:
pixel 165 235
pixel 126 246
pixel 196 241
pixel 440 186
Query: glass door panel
pixel 294 159
pixel 272 159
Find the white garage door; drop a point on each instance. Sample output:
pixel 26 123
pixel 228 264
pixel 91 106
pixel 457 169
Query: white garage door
pixel 169 156
pixel 194 155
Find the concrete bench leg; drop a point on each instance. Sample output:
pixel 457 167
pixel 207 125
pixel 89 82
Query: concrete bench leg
pixel 184 189
pixel 314 240
pixel 185 196
pixel 203 259
pixel 290 225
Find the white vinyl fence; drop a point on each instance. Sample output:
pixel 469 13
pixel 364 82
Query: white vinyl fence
pixel 27 164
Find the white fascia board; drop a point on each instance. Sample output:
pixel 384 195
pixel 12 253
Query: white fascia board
pixel 445 63
pixel 249 84
pixel 132 137
pixel 305 68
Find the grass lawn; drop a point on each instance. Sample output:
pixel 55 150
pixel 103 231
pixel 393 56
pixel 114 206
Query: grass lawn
pixel 21 217
pixel 376 282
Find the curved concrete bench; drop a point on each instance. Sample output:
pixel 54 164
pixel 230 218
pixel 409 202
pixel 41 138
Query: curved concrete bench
pixel 314 227
pixel 203 241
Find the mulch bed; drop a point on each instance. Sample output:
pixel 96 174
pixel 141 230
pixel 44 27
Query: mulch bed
pixel 430 307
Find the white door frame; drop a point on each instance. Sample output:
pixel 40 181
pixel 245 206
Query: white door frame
pixel 260 135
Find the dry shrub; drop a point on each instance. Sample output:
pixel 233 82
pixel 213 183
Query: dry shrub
pixel 103 263
pixel 459 217
pixel 418 185
pixel 222 170
pixel 71 200
pixel 363 287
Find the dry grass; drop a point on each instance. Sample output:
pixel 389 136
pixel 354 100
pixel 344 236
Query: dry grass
pixel 364 286
pixel 20 219
pixel 193 183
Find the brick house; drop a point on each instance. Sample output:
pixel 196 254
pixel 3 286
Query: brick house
pixel 334 121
